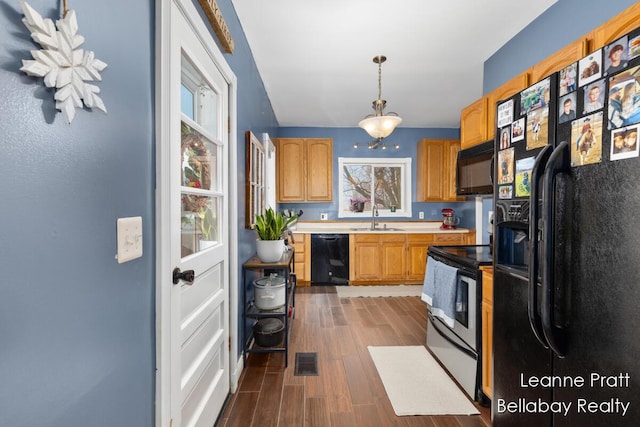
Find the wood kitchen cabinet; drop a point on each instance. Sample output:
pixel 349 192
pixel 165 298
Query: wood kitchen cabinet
pixel 417 247
pixel 304 170
pixel 504 91
pixel 473 123
pixel 393 258
pixel 478 120
pixel 455 238
pixel 436 170
pixel 559 60
pixel 302 258
pixel 377 257
pixel 396 258
pixel 487 331
pixel 364 257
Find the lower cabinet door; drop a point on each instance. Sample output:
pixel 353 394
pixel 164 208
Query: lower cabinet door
pixel 367 263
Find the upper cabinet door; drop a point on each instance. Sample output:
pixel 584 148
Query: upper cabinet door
pixel 473 123
pixel 559 60
pixel 504 91
pixel 319 170
pixel 291 177
pixel 436 170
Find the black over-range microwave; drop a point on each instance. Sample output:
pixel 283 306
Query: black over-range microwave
pixel 474 174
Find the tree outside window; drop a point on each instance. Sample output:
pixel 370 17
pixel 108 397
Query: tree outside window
pixel 383 183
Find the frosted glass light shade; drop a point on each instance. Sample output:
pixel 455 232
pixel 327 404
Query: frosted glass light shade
pixel 380 126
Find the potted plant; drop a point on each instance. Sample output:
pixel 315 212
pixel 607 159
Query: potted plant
pixel 270 226
pixel 208 230
pixel 357 204
pixel 199 215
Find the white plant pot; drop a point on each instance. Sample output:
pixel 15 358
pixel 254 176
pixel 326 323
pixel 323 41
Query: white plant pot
pixel 204 244
pixel 270 250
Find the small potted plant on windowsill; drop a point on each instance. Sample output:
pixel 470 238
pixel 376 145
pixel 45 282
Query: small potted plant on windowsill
pixel 207 227
pixel 270 226
pixel 357 204
pixel 198 216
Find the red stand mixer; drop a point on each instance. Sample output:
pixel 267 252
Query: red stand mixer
pixel 449 220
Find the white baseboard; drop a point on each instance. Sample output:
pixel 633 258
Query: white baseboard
pixel 235 375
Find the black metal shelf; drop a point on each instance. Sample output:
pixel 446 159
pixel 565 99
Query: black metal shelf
pixel 285 313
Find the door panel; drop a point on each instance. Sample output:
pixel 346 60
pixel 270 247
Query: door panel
pixel 199 303
pixel 194 298
pixel 199 352
pixel 204 411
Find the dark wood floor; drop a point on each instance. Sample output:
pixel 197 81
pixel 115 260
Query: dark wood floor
pixel 348 390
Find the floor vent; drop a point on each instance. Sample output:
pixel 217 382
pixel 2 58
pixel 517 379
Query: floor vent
pixel 306 364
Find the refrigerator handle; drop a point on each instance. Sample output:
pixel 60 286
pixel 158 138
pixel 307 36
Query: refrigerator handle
pixel 535 321
pixel 559 163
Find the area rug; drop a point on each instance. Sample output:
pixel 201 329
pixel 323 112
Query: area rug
pixel 379 291
pixel 416 384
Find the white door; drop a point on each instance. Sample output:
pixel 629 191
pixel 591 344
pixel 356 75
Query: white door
pixel 193 221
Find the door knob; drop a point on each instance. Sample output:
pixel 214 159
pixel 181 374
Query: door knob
pixel 187 276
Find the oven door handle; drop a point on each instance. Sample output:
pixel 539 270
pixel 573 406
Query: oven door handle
pixel 465 350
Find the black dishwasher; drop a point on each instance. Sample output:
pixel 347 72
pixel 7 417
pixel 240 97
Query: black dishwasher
pixel 329 259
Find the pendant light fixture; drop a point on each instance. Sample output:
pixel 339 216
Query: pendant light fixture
pixel 380 125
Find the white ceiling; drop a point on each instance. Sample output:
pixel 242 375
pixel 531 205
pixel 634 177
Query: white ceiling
pixel 316 56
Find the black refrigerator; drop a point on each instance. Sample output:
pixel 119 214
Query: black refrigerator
pixel 567 248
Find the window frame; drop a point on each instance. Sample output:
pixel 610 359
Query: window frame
pixel 255 178
pixel 403 211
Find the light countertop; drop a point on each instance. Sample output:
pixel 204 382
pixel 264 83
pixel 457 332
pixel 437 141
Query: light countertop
pixel 355 227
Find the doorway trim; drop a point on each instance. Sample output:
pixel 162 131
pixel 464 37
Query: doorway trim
pixel 163 268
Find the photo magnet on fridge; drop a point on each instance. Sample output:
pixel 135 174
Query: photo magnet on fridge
pixel 586 140
pixel 590 68
pixel 517 130
pixel 616 56
pixel 624 98
pixel 505 113
pixel 567 81
pixel 624 143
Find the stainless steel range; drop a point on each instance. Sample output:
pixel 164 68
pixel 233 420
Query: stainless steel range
pixel 459 347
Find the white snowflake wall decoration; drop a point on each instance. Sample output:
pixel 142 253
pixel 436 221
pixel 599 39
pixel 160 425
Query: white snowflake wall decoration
pixel 62 64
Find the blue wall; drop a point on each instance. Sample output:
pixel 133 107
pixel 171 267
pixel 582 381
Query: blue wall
pixel 77 328
pixel 407 138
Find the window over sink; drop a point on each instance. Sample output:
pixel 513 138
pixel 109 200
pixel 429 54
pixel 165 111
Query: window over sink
pixel 383 183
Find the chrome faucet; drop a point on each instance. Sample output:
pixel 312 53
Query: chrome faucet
pixel 374 214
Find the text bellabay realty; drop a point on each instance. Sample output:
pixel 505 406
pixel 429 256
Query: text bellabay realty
pixel 582 406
